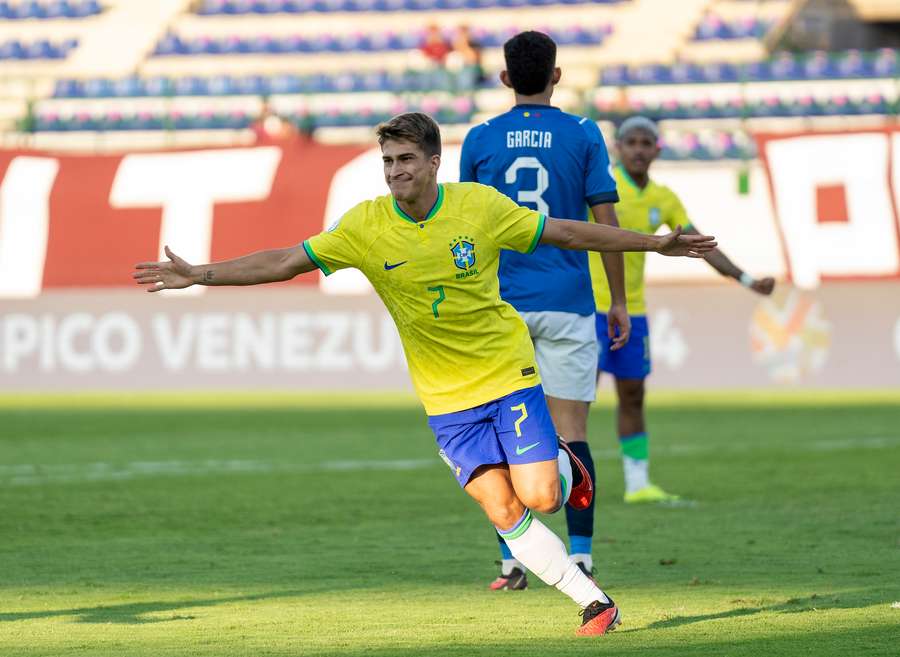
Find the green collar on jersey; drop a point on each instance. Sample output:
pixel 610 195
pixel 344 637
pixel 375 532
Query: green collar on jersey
pixel 640 190
pixel 433 211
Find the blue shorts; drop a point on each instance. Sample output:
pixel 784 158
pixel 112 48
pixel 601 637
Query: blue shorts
pixel 631 361
pixel 514 429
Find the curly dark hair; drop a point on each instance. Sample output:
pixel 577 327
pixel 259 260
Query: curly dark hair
pixel 530 60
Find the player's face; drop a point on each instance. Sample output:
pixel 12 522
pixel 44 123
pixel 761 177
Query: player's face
pixel 637 150
pixel 407 170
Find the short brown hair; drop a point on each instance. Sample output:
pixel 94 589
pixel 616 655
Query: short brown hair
pixel 415 127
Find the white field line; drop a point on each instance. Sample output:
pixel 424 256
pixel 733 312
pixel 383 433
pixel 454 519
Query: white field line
pixel 23 475
pixel 31 474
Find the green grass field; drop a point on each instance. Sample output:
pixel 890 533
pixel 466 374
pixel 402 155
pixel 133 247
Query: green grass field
pixel 250 526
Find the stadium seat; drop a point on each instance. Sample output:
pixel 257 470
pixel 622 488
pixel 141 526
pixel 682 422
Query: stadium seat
pixel 270 7
pixel 782 67
pixel 357 41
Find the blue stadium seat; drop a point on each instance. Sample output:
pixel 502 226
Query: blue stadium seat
pixel 254 85
pixel 12 50
pixel 221 85
pixel 270 7
pixel 65 88
pixel 43 49
pixel 886 64
pixel 297 6
pixel 87 8
pixel 361 5
pixel 190 86
pixel 27 10
pixel 785 67
pixel 57 9
pixel 211 7
pixel 712 27
pixel 374 81
pixel 318 84
pixel 170 44
pixel 265 7
pixel 685 73
pixel 286 84
pixel 48 123
pixel 129 87
pixel 159 86
pixel 614 75
pixel 720 73
pixel 239 7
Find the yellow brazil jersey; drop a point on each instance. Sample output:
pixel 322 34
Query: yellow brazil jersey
pixel 643 211
pixel 438 279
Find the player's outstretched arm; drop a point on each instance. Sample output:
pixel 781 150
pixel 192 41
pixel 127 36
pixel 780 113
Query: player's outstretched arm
pixel 723 264
pixel 584 236
pixel 618 323
pixel 260 267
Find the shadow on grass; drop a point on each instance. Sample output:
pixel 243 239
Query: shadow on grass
pixel 852 600
pixel 133 614
pixel 871 641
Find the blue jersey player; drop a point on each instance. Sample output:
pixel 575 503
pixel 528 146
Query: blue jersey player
pixel 557 164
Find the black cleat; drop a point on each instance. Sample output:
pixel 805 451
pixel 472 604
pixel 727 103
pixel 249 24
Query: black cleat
pixel 587 571
pixel 517 580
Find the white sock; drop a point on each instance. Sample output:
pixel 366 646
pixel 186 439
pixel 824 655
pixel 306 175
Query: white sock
pixel 543 553
pixel 507 565
pixel 565 475
pixel 636 473
pixel 585 559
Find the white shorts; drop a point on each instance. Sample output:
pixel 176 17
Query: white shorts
pixel 565 345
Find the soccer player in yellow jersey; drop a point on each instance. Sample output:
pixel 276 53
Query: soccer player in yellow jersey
pixel 431 252
pixel 644 206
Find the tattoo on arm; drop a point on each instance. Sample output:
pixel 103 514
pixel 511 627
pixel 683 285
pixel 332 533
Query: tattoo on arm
pixel 208 276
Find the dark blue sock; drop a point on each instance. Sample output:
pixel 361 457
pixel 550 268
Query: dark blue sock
pixel 504 548
pixel 581 523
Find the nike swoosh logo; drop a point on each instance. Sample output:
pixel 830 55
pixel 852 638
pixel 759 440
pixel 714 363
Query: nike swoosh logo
pixel 388 267
pixel 522 450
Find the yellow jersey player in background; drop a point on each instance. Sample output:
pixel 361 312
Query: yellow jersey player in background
pixel 644 206
pixel 431 252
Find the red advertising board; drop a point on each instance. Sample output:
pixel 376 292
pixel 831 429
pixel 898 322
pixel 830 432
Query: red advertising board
pixel 83 221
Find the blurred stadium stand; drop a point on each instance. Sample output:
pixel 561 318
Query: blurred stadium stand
pixel 204 72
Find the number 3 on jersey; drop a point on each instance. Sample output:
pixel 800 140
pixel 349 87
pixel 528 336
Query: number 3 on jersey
pixel 530 195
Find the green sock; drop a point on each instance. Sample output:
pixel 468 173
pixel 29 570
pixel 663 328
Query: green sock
pixel 635 461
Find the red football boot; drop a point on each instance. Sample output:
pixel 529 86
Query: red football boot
pixel 597 619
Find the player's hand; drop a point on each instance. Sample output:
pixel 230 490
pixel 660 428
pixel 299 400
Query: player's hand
pixel 617 318
pixel 691 246
pixel 764 286
pixel 172 275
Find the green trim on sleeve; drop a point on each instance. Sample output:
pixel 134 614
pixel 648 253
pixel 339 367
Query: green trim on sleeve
pixel 538 233
pixel 312 256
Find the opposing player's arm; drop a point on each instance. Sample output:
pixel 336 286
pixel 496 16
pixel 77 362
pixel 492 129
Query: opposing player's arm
pixel 723 264
pixel 584 236
pixel 260 267
pixel 618 327
pixel 613 263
